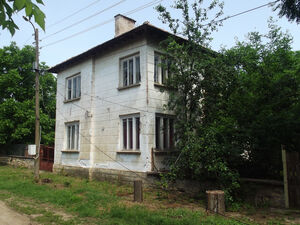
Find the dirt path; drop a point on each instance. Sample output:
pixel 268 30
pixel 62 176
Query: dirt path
pixel 10 217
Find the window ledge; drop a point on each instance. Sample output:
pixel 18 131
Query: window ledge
pixel 70 151
pixel 163 86
pixel 160 85
pixel 129 86
pixel 72 100
pixel 164 151
pixel 129 152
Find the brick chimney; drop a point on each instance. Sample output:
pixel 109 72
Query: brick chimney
pixel 123 24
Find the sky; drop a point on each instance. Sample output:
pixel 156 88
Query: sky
pixel 60 15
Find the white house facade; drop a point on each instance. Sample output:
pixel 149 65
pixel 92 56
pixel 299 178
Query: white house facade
pixel 110 113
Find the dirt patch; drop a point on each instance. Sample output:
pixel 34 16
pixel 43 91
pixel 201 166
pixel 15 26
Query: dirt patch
pixel 9 216
pixel 33 211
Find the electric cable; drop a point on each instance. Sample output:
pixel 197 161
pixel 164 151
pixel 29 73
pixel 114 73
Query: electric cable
pixel 80 21
pixel 241 13
pixel 78 11
pixel 111 102
pixel 103 23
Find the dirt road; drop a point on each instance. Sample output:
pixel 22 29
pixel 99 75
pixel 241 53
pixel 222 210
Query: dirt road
pixel 10 217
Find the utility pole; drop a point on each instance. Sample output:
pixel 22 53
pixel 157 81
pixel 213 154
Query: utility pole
pixel 37 102
pixel 37 107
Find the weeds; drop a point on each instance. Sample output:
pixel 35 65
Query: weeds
pixel 69 200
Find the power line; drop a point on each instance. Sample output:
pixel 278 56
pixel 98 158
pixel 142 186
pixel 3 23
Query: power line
pixel 152 3
pixel 84 109
pixel 80 21
pixel 79 10
pixel 241 13
pixel 103 23
pixel 28 39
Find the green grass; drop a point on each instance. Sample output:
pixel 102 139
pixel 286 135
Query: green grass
pixel 91 202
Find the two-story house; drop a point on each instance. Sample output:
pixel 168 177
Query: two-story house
pixel 110 114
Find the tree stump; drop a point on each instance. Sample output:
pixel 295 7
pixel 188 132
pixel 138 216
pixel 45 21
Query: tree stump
pixel 216 201
pixel 138 191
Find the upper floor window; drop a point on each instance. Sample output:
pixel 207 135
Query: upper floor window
pixel 73 87
pixel 130 70
pixel 164 132
pixel 72 136
pixel 161 69
pixel 130 138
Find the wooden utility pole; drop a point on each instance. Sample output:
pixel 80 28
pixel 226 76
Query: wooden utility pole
pixel 37 107
pixel 36 68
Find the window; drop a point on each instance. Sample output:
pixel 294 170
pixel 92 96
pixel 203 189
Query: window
pixel 164 132
pixel 73 87
pixel 130 71
pixel 72 136
pixel 161 73
pixel 130 132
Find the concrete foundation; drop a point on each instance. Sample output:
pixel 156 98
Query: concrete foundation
pixel 101 174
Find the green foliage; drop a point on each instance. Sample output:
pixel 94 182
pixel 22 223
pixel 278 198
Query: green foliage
pixel 290 9
pixel 265 102
pixel 17 97
pixel 9 7
pixel 233 109
pixel 199 86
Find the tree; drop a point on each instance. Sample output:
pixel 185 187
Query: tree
pixel 290 9
pixel 199 85
pixel 265 102
pixel 17 97
pixel 233 108
pixel 9 7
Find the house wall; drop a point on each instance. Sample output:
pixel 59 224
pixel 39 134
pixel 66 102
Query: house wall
pixel 115 103
pixel 74 111
pixel 100 107
pixel 157 99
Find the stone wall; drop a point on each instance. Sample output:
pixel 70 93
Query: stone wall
pixel 263 192
pixel 4 160
pixel 257 192
pixel 18 161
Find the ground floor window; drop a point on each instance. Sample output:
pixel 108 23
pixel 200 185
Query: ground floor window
pixel 72 135
pixel 130 131
pixel 164 131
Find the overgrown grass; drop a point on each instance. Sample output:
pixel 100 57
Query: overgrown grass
pixel 90 202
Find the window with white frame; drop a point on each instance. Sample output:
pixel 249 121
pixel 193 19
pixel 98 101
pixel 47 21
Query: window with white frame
pixel 72 136
pixel 130 132
pixel 73 87
pixel 164 132
pixel 130 71
pixel 161 73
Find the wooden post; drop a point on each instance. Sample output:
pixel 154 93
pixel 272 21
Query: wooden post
pixel 138 191
pixel 285 179
pixel 216 201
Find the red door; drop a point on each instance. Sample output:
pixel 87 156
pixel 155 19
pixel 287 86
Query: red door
pixel 46 158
